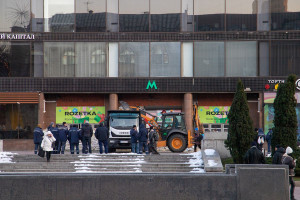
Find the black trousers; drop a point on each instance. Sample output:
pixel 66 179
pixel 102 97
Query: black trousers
pixel 195 146
pixel 292 182
pixel 152 148
pixel 48 155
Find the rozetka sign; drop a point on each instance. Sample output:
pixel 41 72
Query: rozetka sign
pixel 80 115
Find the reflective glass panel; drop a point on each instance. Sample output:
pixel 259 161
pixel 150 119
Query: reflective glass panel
pixel 241 15
pixel 59 59
pixel 165 59
pixel 241 59
pixel 165 17
pixel 37 58
pixel 285 14
pixel 134 59
pixel 187 10
pixel 37 15
pixel 59 15
pixel 15 15
pixel 263 11
pixel 263 59
pixel 112 16
pixel 209 59
pixel 209 15
pixel 90 59
pixel 134 15
pixel 90 15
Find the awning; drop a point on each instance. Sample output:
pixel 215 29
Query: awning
pixel 19 97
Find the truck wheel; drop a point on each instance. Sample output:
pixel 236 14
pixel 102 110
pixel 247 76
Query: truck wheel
pixel 177 143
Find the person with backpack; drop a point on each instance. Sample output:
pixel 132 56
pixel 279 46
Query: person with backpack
pixel 74 139
pixel 197 140
pixel 288 160
pixel 269 138
pixel 153 138
pixel 102 135
pixel 260 139
pixel 134 140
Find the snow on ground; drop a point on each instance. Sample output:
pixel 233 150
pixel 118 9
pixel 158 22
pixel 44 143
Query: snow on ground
pixel 197 170
pixel 209 152
pixel 6 157
pixel 196 162
pixel 212 163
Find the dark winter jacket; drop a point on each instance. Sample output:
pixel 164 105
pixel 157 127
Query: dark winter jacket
pixel 143 134
pixel 86 130
pixel 133 135
pixel 269 136
pixel 38 135
pixel 254 156
pixel 197 139
pixel 63 133
pixel 74 135
pixel 288 160
pixel 54 132
pixel 153 137
pixel 278 155
pixel 102 133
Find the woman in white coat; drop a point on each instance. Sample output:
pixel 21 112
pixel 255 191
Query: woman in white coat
pixel 47 144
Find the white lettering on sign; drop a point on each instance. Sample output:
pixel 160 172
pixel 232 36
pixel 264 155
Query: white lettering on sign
pixel 276 81
pixel 8 36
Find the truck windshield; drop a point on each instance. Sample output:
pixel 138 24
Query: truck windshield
pixel 123 123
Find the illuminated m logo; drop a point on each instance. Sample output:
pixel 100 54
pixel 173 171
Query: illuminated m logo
pixel 151 85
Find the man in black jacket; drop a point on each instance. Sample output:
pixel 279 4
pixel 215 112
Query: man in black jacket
pixel 279 151
pixel 254 155
pixel 102 135
pixel 288 160
pixel 143 139
pixel 87 133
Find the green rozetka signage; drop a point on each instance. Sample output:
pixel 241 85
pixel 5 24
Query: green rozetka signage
pixel 213 114
pixel 79 115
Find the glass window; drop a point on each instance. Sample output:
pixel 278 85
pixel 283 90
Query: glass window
pixel 241 59
pixel 90 16
pixel 263 59
pixel 37 16
pixel 15 16
pixel 134 15
pixel 263 11
pixel 209 59
pixel 14 59
pixel 187 10
pixel 134 59
pixel 112 16
pixel 209 15
pixel 285 15
pixel 165 17
pixel 59 15
pixel 241 15
pixel 285 58
pixel 59 59
pixel 38 59
pixel 165 59
pixel 90 59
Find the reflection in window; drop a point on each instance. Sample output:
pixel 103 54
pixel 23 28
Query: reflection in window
pixel 134 15
pixel 187 10
pixel 262 14
pixel 37 16
pixel 285 58
pixel 59 59
pixel 165 59
pixel 90 16
pixel 90 59
pixel 209 15
pixel 15 16
pixel 241 59
pixel 134 59
pixel 241 15
pixel 59 15
pixel 209 59
pixel 165 17
pixel 112 16
pixel 285 15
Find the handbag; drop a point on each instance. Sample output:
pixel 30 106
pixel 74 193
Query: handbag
pixel 41 152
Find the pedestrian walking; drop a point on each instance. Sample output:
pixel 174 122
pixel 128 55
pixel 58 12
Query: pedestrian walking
pixel 288 160
pixel 47 144
pixel 74 137
pixel 102 135
pixel 269 138
pixel 254 155
pixel 143 139
pixel 63 137
pixel 87 133
pixel 197 140
pixel 279 151
pixel 260 139
pixel 37 138
pixel 153 138
pixel 54 131
pixel 50 126
pixel 134 139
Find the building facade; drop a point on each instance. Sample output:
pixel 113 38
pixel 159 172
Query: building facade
pixel 73 60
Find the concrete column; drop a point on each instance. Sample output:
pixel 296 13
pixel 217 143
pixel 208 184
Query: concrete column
pixel 113 102
pixel 260 109
pixel 41 116
pixel 188 110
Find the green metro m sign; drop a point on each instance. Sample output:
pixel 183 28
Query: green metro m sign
pixel 151 85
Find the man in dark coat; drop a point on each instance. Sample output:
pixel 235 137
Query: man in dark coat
pixel 63 137
pixel 54 131
pixel 134 140
pixel 37 138
pixel 86 133
pixel 153 138
pixel 74 139
pixel 279 151
pixel 254 155
pixel 269 138
pixel 143 139
pixel 102 135
pixel 288 160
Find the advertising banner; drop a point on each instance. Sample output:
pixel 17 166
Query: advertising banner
pixel 79 115
pixel 213 114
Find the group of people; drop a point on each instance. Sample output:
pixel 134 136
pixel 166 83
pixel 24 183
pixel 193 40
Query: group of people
pixel 143 140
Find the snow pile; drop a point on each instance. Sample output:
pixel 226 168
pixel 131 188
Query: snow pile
pixel 6 157
pixel 212 163
pixel 209 152
pixel 196 162
pixel 197 170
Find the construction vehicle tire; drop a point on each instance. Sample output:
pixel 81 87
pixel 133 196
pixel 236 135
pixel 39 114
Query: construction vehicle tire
pixel 177 142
